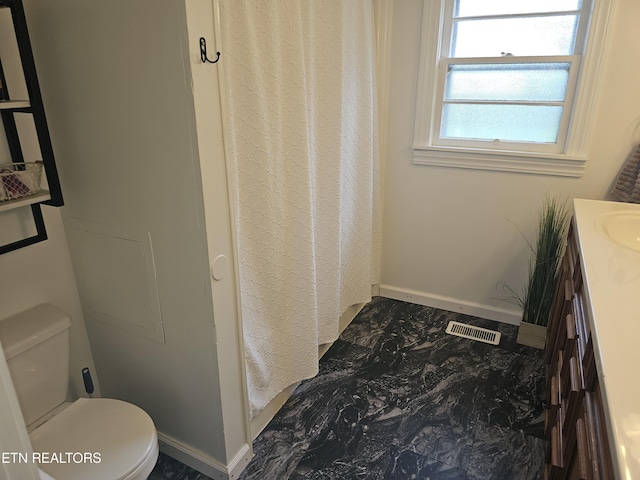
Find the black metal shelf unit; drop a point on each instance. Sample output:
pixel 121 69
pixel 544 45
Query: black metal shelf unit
pixel 9 108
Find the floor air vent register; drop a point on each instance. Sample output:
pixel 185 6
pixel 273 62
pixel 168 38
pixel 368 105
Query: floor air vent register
pixel 474 333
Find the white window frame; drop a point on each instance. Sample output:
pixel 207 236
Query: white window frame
pixel 566 158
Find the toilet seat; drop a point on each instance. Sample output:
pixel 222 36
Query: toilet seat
pixel 122 434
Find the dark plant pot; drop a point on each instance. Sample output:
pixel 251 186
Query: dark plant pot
pixel 532 335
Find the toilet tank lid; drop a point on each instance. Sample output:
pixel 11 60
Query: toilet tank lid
pixel 26 329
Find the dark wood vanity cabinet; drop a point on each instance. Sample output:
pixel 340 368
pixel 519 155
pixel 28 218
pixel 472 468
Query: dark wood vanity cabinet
pixel 575 429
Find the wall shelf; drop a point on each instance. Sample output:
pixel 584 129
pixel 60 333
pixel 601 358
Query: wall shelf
pixel 14 104
pixel 39 197
pixel 18 75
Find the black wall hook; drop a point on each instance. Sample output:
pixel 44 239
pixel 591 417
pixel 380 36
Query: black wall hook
pixel 203 52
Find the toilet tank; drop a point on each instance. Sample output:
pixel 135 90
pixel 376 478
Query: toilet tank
pixel 36 346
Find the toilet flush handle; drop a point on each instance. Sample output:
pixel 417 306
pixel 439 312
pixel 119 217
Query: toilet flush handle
pixel 88 382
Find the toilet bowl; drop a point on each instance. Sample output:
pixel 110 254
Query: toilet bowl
pixel 109 439
pixel 91 438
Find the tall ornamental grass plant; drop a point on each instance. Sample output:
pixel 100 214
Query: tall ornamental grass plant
pixel 544 265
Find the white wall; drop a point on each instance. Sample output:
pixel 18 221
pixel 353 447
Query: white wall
pixel 117 85
pixel 448 236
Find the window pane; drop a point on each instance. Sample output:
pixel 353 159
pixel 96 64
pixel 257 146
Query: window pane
pixel 536 82
pixel 469 8
pixel 515 36
pixel 517 123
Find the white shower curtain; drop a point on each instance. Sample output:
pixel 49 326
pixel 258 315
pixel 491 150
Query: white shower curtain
pixel 302 140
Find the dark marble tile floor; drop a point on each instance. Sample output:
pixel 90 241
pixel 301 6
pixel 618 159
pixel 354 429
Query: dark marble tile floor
pixel 398 398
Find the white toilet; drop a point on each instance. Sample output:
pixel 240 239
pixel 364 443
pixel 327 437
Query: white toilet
pixel 91 438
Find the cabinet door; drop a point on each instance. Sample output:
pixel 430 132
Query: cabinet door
pixel 575 429
pixel 561 307
pixel 581 466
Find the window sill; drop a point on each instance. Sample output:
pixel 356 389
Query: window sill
pixel 500 161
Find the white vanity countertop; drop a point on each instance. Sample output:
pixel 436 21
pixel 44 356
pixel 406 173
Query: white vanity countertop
pixel 612 275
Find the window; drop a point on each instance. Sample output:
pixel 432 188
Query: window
pixel 507 84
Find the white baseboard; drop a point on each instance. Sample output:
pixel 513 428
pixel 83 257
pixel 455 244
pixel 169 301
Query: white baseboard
pixel 260 421
pixel 489 312
pixel 202 462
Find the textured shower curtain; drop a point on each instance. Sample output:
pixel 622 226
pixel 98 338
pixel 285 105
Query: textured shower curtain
pixel 302 140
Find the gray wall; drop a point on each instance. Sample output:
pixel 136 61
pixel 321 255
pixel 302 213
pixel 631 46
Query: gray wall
pixel 117 86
